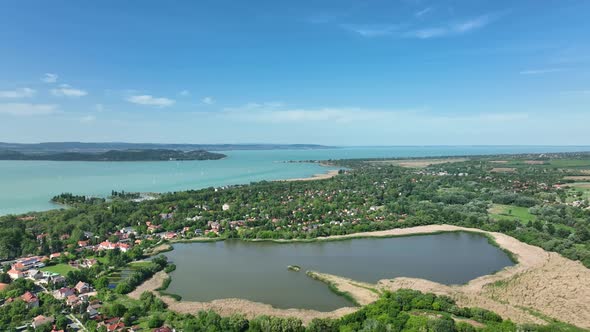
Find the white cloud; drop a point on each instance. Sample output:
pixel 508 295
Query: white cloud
pixel 473 24
pixel 453 29
pixel 278 113
pixel 184 93
pixel 401 30
pixel 151 100
pixel 427 33
pixel 18 93
pixel 65 90
pixel 541 71
pixel 49 78
pixel 423 12
pixel 25 109
pixel 208 100
pixel 372 30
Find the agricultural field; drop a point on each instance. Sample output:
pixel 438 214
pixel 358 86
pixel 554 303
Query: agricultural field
pixel 417 163
pixel 580 165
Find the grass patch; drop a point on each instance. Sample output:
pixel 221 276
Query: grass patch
pixel 61 268
pixel 493 242
pixel 162 289
pixel 139 264
pixel 332 286
pixel 570 163
pixel 511 212
pixel 554 325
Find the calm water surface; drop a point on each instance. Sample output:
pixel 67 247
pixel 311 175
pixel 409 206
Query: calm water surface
pixel 29 185
pixel 257 271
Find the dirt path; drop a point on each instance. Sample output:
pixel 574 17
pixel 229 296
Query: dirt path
pixel 541 282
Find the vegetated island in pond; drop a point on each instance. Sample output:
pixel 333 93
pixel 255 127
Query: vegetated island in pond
pixel 115 155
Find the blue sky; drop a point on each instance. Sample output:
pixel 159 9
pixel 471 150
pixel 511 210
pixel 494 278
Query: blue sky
pixel 341 72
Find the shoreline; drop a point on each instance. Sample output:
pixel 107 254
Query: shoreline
pixel 539 284
pixel 320 176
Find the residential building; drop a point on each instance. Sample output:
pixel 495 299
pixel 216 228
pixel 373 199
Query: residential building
pixel 41 320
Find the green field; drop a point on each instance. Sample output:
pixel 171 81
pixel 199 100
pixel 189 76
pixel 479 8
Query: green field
pixel 554 163
pixel 62 269
pixel 500 212
pixel 571 163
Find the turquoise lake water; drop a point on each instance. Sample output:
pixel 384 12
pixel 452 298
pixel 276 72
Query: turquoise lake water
pixel 29 185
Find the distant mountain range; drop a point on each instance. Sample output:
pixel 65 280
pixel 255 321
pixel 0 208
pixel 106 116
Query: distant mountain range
pixel 113 155
pixel 55 147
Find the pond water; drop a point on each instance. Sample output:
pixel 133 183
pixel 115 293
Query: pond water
pixel 257 271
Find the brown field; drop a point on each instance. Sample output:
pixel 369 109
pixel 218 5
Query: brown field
pixel 541 282
pixel 534 162
pixel 503 170
pixel 499 161
pixel 323 176
pixel 418 163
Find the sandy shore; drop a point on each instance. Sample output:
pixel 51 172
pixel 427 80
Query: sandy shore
pixel 541 282
pixel 322 176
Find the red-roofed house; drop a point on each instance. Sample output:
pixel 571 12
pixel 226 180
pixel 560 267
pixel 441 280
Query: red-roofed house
pixel 72 300
pixel 15 274
pixel 30 299
pixel 19 266
pixel 113 324
pixel 82 287
pixel 41 320
pixel 106 245
pixel 63 293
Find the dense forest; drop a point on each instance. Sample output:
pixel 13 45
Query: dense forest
pixel 114 155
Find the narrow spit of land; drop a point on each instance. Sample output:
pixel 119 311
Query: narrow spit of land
pixel 321 176
pixel 541 285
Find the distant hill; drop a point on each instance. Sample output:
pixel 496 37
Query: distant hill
pixel 113 155
pixel 104 147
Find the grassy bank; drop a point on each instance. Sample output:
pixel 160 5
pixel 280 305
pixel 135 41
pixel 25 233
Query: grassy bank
pixel 332 286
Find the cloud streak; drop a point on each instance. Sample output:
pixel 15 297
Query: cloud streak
pixel 66 90
pixel 280 113
pixel 149 100
pixel 372 30
pixel 26 109
pixel 423 12
pixel 49 78
pixel 541 71
pixel 401 30
pixel 208 101
pixel 18 93
pixel 453 29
